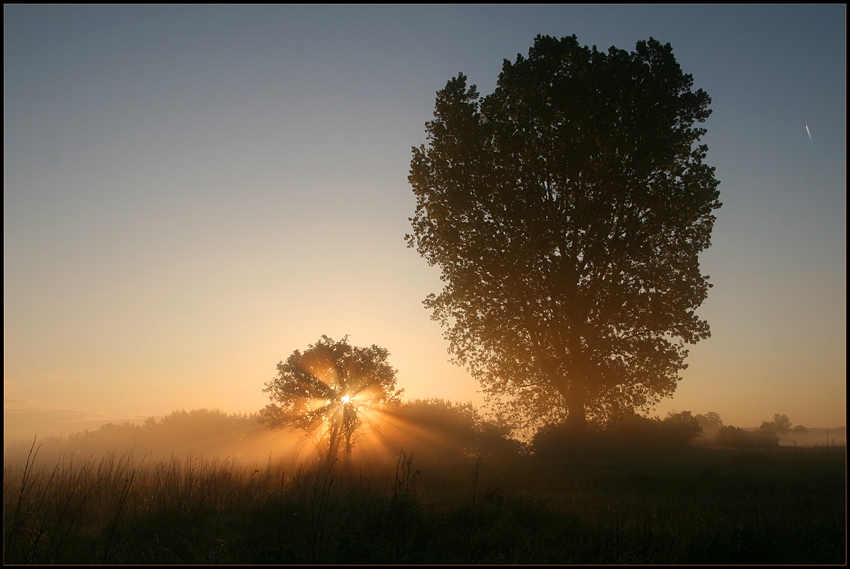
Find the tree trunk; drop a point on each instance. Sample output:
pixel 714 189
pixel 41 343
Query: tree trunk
pixel 576 413
pixel 333 443
pixel 347 446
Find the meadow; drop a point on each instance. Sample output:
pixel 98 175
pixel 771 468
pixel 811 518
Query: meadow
pixel 689 505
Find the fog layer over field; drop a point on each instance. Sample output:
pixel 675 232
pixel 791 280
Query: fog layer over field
pixel 433 429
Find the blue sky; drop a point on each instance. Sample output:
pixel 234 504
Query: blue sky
pixel 192 193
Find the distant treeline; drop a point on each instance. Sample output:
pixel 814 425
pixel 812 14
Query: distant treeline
pixel 435 429
pixel 202 432
pixel 773 433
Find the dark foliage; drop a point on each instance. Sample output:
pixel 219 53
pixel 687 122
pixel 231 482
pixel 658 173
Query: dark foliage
pixel 567 211
pixel 735 437
pixel 780 424
pixel 440 430
pixel 324 389
pixel 710 423
pixel 626 435
pixel 700 508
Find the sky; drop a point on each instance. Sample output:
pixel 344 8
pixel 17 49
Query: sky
pixel 192 193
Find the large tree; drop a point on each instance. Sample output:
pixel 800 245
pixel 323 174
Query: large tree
pixel 567 211
pixel 324 389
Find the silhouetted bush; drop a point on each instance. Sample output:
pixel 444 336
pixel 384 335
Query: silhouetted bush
pixel 735 437
pixel 765 439
pixel 625 434
pixel 645 434
pixel 559 441
pixel 494 440
pixel 443 430
pixel 680 428
pixel 710 423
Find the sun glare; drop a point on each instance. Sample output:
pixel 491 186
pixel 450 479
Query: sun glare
pixel 346 398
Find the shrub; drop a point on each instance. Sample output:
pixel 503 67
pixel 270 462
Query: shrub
pixel 736 437
pixel 624 434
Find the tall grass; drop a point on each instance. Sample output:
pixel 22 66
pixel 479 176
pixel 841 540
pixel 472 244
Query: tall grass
pixel 707 506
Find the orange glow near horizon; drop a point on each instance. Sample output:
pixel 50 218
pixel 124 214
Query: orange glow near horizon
pixel 177 222
pixel 384 435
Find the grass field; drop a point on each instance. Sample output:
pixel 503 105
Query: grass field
pixel 692 506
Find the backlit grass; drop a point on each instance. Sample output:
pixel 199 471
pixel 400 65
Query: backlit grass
pixel 699 506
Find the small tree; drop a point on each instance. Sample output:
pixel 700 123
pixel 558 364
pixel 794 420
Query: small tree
pixel 736 437
pixel 324 389
pixel 681 428
pixel 710 423
pixel 780 424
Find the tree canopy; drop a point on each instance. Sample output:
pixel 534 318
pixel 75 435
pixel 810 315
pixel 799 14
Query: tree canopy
pixel 710 423
pixel 324 389
pixel 566 212
pixel 780 424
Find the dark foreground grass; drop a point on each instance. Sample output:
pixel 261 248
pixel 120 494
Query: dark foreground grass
pixel 697 506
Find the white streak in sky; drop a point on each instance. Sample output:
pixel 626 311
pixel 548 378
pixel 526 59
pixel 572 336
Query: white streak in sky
pixel 808 132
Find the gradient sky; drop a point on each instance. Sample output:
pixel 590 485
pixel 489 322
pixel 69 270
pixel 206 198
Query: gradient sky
pixel 192 193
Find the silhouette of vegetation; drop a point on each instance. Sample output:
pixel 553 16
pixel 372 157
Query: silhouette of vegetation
pixel 700 507
pixel 567 211
pixel 735 437
pixel 325 389
pixel 710 423
pixel 171 491
pixel 199 432
pixel 681 428
pixel 628 434
pixel 445 432
pixel 780 424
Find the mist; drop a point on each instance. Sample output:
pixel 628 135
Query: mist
pixel 431 427
pixel 436 430
pixel 428 481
